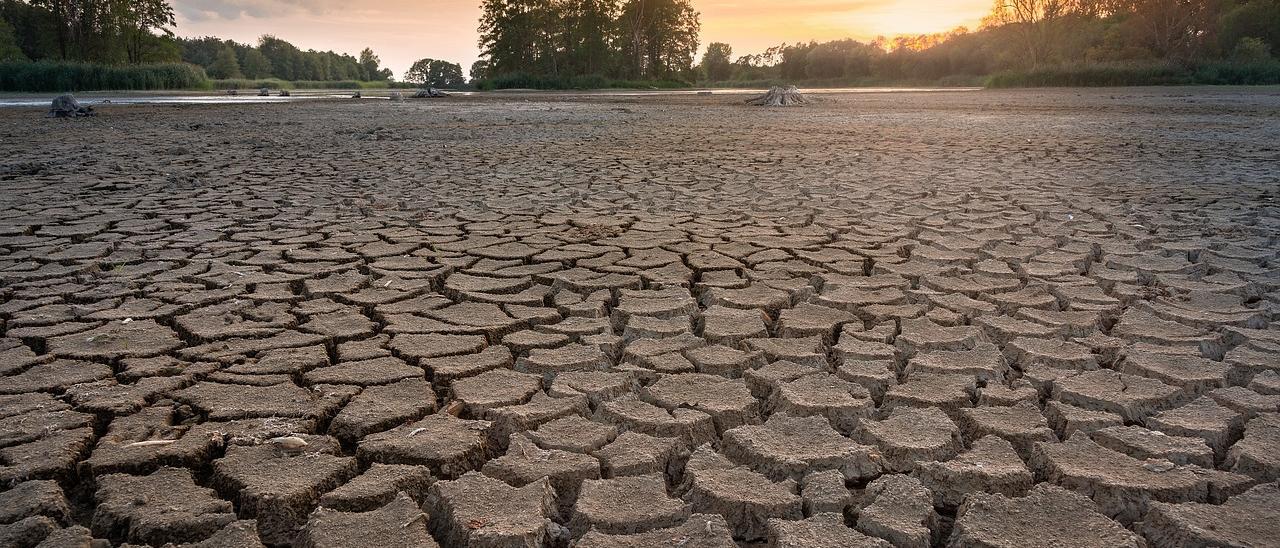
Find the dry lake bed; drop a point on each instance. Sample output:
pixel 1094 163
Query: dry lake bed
pixel 972 319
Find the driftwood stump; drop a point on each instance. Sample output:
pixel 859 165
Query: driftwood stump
pixel 66 106
pixel 429 93
pixel 779 96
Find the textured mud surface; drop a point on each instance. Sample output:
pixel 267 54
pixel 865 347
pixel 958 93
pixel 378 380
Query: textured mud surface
pixel 980 319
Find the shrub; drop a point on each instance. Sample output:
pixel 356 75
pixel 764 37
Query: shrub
pixel 1251 50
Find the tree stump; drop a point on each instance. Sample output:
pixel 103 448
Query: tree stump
pixel 779 96
pixel 66 106
pixel 429 93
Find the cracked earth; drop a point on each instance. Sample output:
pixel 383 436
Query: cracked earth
pixel 993 319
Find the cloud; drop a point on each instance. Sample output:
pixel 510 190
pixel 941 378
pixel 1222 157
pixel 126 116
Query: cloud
pixel 204 10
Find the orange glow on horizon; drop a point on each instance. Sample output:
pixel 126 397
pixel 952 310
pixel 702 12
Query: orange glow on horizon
pixel 402 31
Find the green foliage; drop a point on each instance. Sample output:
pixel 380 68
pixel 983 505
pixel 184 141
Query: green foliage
pixel 657 38
pixel 479 70
pixel 1143 74
pixel 225 65
pixel 717 63
pixel 1259 19
pixel 45 76
pixel 106 31
pixel 561 39
pixel 254 64
pixel 1251 50
pixel 435 73
pixel 369 67
pixel 9 50
pixel 589 81
pixel 276 83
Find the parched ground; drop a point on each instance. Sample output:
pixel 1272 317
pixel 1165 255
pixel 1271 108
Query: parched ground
pixel 1028 318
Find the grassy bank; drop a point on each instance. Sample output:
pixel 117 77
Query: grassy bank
pixel 46 76
pixel 276 83
pixel 525 81
pixel 1222 73
pixel 63 77
pixel 946 82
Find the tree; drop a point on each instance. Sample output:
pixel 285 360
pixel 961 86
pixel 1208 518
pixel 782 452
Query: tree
pixel 369 67
pixel 435 73
pixel 511 35
pixel 587 36
pixel 1033 22
pixel 254 64
pixel 225 65
pixel 1174 28
pixel 9 50
pixel 716 62
pixel 1253 19
pixel 479 70
pixel 285 58
pixel 658 37
pixel 136 21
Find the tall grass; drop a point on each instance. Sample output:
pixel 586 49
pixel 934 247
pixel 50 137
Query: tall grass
pixel 955 80
pixel 42 76
pixel 276 83
pixel 592 81
pixel 1260 72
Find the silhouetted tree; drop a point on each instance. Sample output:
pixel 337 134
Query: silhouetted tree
pixel 435 73
pixel 716 63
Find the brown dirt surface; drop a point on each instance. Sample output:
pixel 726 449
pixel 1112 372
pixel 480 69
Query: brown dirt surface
pixel 995 318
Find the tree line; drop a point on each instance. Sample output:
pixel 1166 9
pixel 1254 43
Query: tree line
pixel 138 32
pixel 276 58
pixel 1178 39
pixel 625 39
pixel 103 31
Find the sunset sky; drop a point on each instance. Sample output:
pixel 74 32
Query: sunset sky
pixel 402 31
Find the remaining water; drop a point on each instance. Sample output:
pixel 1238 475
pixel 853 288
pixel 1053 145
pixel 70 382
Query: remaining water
pixel 247 97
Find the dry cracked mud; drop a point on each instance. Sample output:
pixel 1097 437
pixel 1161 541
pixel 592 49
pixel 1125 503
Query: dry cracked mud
pixel 1032 318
